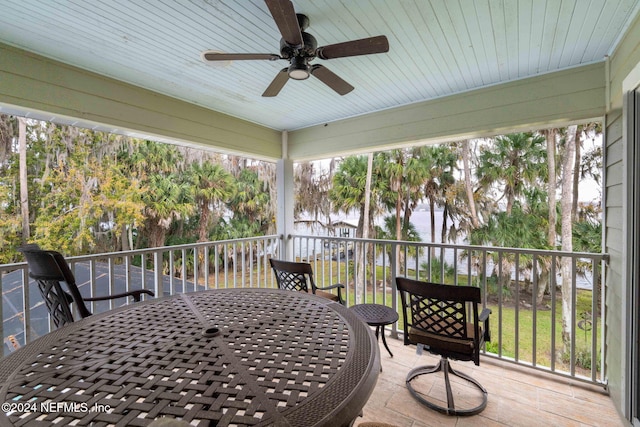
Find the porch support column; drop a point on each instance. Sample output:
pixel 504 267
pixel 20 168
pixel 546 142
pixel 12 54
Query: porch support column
pixel 285 205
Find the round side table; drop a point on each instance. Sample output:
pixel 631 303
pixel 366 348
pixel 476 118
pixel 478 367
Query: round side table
pixel 377 315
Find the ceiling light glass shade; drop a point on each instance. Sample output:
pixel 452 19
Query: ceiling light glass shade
pixel 299 70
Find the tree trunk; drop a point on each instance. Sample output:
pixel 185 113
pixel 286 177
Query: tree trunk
pixel 360 226
pixel 398 232
pixel 551 186
pixel 130 236
pixel 361 254
pixel 553 215
pixel 156 234
pixel 398 218
pixel 204 222
pixel 467 184
pixel 367 197
pixel 7 135
pixel 443 233
pixel 406 218
pixel 543 283
pixel 24 183
pixel 568 163
pixel 432 217
pixel 576 174
pixel 510 200
pixel 124 236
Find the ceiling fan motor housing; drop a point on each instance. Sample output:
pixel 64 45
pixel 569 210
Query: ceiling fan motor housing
pixel 307 50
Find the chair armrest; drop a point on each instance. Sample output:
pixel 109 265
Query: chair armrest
pixel 337 286
pixel 484 317
pixel 137 294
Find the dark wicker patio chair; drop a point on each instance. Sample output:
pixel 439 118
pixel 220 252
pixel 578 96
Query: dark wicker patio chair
pixel 445 320
pixel 49 269
pixel 298 276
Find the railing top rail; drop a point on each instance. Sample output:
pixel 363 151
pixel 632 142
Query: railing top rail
pixel 171 248
pixel 540 252
pixel 150 250
pixel 15 265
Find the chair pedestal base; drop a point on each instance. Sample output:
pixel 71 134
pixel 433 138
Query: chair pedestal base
pixel 446 369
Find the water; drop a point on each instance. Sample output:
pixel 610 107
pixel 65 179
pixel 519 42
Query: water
pixel 421 219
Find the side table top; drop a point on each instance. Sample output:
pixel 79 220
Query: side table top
pixel 375 314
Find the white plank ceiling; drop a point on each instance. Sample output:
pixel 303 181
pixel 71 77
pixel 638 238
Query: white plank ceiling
pixel 437 47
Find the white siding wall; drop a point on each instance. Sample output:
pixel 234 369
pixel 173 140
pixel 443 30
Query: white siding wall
pixel 613 245
pixel 623 64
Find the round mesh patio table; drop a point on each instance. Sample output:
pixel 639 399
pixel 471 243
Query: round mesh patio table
pixel 215 358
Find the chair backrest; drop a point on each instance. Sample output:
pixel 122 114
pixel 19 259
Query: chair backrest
pixel 440 314
pixel 50 269
pixel 293 276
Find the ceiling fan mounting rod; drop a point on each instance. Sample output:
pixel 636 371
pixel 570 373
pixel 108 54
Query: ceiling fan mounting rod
pixel 303 21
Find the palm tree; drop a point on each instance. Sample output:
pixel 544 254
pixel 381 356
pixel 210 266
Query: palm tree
pixel 149 157
pixel 158 167
pixel 404 172
pixel 251 201
pixel 513 161
pixel 442 160
pixel 392 170
pixel 170 199
pixel 211 185
pixel 348 190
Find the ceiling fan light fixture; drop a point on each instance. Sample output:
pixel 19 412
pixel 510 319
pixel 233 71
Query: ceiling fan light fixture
pixel 299 69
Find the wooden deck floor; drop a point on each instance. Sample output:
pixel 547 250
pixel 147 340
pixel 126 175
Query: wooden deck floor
pixel 517 396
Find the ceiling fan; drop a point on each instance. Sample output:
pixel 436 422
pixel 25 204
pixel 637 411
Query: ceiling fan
pixel 300 48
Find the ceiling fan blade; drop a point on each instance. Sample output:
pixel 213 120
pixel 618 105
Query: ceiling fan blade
pixel 331 79
pixel 378 44
pixel 212 55
pixel 284 14
pixel 278 83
